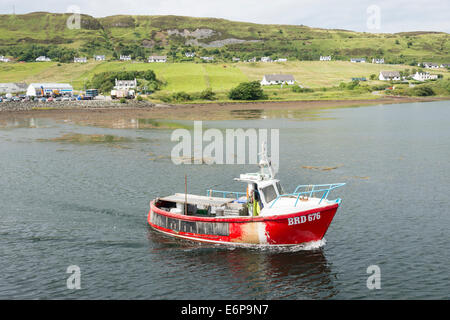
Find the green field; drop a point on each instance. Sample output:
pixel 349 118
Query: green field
pixel 192 77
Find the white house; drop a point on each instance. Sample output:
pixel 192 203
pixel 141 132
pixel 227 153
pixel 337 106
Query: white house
pixel 252 59
pixel 430 65
pixel 445 65
pixel 422 76
pixel 125 84
pixel 274 79
pixel 80 59
pixel 266 59
pixel 99 58
pixel 358 60
pixel 378 61
pixel 207 58
pixel 236 59
pixel 190 54
pixel 389 76
pixel 43 59
pixel 162 59
pixel 47 89
pixel 325 58
pixel 4 59
pixel 125 58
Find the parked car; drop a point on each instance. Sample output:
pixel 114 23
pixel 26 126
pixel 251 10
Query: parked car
pixel 42 99
pixel 58 99
pixel 15 99
pixel 1 99
pixel 50 99
pixel 65 99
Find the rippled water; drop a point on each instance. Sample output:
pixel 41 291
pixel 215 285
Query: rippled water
pixel 65 204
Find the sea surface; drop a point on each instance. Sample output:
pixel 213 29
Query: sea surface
pixel 84 203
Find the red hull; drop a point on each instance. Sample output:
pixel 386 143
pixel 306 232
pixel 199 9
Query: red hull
pixel 289 229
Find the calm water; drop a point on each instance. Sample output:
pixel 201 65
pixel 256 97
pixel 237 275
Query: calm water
pixel 65 204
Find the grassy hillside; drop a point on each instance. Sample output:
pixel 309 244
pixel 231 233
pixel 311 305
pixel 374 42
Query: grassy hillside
pixel 195 77
pixel 172 35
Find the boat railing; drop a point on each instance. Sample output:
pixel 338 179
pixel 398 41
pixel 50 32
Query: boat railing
pixel 225 194
pixel 307 191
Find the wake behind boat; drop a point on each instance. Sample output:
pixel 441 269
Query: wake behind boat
pixel 264 215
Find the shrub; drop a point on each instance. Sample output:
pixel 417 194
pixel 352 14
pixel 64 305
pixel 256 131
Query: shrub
pixel 207 94
pixel 139 98
pixel 423 91
pixel 298 89
pixel 247 91
pixel 123 100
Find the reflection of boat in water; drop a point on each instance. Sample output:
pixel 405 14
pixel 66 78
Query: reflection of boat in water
pixel 275 273
pixel 265 215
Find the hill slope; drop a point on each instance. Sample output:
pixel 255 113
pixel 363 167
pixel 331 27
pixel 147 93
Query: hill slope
pixel 173 35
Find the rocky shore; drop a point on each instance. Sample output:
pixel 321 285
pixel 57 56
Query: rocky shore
pixel 86 104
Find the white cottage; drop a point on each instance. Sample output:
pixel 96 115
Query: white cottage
pixel 124 58
pixel 99 58
pixel 389 76
pixel 422 76
pixel 80 59
pixel 4 59
pixel 162 59
pixel 274 79
pixel 325 58
pixel 43 59
pixel 125 84
pixel 378 61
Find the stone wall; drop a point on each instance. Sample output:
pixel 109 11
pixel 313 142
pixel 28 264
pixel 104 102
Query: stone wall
pixel 87 104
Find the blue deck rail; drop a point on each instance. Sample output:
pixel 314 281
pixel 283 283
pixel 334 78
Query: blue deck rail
pixel 309 190
pixel 225 194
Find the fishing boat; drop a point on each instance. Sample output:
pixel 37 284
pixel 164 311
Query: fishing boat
pixel 263 215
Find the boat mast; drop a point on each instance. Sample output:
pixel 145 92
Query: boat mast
pixel 265 161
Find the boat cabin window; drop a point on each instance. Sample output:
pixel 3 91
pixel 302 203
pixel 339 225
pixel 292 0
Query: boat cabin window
pixel 269 193
pixel 280 189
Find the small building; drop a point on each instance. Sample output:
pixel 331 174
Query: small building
pixel 274 79
pixel 190 54
pixel 325 58
pixel 430 65
pixel 378 61
pixel 162 59
pixel 252 59
pixel 79 59
pixel 43 59
pixel 207 58
pixel 13 87
pixel 236 59
pixel 445 65
pixel 359 79
pixel 422 76
pixel 4 59
pixel 48 89
pixel 125 84
pixel 281 60
pixel 266 59
pixel 99 58
pixel 389 76
pixel 358 60
pixel 124 58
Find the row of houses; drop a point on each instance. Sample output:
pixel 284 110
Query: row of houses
pixel 395 76
pixel 431 65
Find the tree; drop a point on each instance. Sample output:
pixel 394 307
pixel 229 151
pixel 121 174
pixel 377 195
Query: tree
pixel 247 91
pixel 373 76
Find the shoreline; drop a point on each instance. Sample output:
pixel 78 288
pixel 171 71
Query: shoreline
pixel 192 111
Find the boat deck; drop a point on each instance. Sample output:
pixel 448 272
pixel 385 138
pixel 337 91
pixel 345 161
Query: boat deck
pixel 197 200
